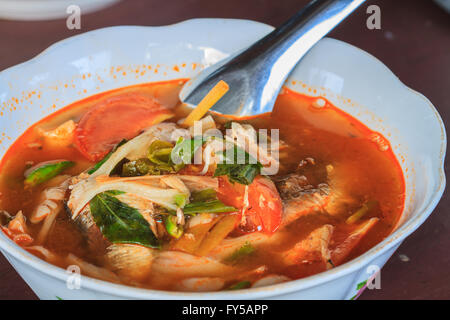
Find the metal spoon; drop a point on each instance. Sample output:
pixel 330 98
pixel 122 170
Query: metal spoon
pixel 256 75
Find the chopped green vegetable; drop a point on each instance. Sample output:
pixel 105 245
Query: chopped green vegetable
pixel 240 285
pixel 158 161
pixel 204 195
pixel 101 162
pixel 204 201
pixel 244 251
pixel 243 173
pixel 361 285
pixel 173 229
pixel 366 207
pixel 214 206
pixel 46 172
pixel 159 152
pixel 139 167
pixel 185 149
pixel 121 223
pixel 180 200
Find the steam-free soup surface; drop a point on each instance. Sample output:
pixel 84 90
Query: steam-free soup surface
pixel 339 191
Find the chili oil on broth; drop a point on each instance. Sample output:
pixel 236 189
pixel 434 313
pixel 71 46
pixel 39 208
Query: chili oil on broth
pixel 327 135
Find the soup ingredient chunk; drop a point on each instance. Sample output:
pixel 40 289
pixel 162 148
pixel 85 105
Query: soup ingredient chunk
pixel 45 171
pixel 117 118
pixel 259 203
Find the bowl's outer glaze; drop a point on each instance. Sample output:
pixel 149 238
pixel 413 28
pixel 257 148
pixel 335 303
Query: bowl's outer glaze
pixel 120 56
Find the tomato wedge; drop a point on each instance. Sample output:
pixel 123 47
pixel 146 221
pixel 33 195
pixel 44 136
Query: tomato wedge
pixel 115 119
pixel 264 209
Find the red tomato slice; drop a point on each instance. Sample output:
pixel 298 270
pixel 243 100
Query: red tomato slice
pixel 265 200
pixel 117 118
pixel 264 210
pixel 232 194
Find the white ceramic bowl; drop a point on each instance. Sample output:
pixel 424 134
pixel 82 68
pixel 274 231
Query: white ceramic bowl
pixel 47 9
pixel 115 57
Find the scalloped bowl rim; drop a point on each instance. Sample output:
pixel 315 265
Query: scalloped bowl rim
pixel 264 292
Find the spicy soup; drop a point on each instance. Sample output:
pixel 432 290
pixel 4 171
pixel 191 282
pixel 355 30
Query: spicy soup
pixel 95 185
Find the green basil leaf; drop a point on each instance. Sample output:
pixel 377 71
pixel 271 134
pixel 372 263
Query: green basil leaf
pixel 243 173
pixel 121 223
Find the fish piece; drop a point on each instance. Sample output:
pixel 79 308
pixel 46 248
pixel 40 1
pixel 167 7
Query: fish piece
pixel 61 136
pixel 50 200
pixel 309 201
pixel 343 249
pixel 48 209
pixel 314 248
pixel 18 223
pixel 340 198
pixel 133 263
pixel 96 242
pixel 300 197
pixel 17 229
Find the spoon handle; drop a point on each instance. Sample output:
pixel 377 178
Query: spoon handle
pixel 283 48
pixel 289 42
pixel 256 74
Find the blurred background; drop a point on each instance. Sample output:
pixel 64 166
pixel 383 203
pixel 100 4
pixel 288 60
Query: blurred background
pixel 414 42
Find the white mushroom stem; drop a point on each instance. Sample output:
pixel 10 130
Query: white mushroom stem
pixel 174 263
pixel 51 201
pixel 91 270
pixel 48 223
pixel 180 217
pixel 47 254
pixel 176 183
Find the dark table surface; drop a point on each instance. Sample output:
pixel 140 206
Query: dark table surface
pixel 414 42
